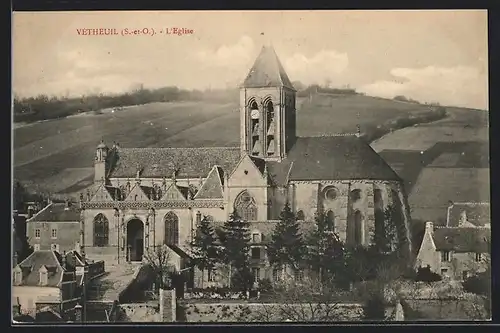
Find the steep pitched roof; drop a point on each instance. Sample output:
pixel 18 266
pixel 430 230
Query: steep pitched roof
pixel 462 239
pixel 175 192
pixel 331 158
pixel 139 192
pixel 163 162
pixel 31 266
pixel 102 193
pixel 57 212
pixel 212 187
pixel 267 71
pixel 476 213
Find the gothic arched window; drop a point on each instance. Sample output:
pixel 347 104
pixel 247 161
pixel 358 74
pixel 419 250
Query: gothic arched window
pixel 330 220
pixel 245 206
pixel 171 229
pixel 101 231
pixel 358 225
pixel 355 195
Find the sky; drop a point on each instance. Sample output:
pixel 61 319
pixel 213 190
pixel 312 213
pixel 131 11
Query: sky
pixel 431 56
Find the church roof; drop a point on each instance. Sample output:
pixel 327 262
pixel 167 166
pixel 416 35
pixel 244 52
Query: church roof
pixel 477 213
pixel 212 187
pixel 462 239
pixel 162 162
pixel 57 212
pixel 267 71
pixel 331 158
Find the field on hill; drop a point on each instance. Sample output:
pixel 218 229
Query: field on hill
pixel 441 161
pixel 48 151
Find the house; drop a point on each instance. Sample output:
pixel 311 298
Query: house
pixel 455 252
pixel 468 214
pixel 56 227
pixel 45 279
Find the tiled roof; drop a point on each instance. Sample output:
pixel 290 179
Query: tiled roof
pixel 462 239
pixel 74 259
pixel 179 251
pixel 32 264
pixel 57 212
pixel 267 71
pixel 477 213
pixel 163 162
pixel 331 158
pixel 212 186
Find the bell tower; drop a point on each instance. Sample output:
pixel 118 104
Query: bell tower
pixel 100 163
pixel 267 109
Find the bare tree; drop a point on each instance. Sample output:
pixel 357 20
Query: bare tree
pixel 299 302
pixel 158 257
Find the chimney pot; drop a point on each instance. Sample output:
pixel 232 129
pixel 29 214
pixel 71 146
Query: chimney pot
pixel 429 227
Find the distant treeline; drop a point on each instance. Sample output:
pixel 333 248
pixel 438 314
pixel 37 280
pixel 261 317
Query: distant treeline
pixel 43 107
pixel 373 132
pixel 313 89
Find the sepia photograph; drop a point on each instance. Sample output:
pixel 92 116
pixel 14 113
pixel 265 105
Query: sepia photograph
pixel 250 167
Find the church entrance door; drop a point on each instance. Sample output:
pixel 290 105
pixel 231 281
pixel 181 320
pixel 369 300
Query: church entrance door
pixel 135 240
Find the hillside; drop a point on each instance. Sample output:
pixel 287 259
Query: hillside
pixel 58 154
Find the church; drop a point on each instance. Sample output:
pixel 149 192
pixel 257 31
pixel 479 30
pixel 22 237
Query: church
pixel 152 196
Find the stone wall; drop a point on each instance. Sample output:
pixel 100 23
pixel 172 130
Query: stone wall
pixel 263 312
pixel 168 306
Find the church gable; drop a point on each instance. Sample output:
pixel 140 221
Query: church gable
pixel 102 194
pixel 248 173
pixel 137 194
pixel 173 193
pixel 212 187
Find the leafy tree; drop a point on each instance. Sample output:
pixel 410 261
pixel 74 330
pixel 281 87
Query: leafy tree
pixel 204 247
pixel 235 239
pixel 287 246
pixel 326 250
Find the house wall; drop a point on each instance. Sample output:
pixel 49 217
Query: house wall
pixel 68 233
pixel 428 256
pixel 28 296
pixel 460 262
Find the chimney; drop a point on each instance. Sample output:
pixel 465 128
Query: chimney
pixel 463 218
pixel 31 210
pixel 67 204
pixel 429 227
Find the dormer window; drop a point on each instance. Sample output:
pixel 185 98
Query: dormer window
pixel 256 238
pixel 44 276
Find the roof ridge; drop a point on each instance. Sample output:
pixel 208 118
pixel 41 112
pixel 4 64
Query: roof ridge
pixel 41 210
pixel 474 203
pixel 180 148
pixel 328 135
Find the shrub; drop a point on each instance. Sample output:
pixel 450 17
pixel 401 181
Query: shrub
pixel 374 307
pixel 242 280
pixel 425 274
pixel 265 285
pixel 479 284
